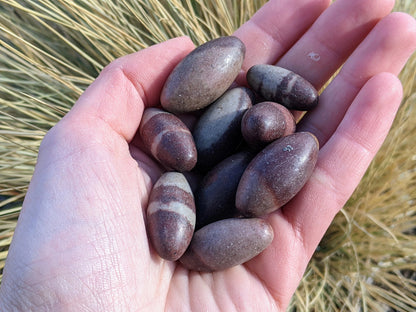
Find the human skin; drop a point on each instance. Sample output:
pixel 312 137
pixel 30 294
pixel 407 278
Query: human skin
pixel 80 242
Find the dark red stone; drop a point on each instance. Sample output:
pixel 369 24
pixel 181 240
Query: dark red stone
pixel 280 85
pixel 227 243
pixel 266 122
pixel 175 149
pixel 168 241
pixel 277 174
pixel 171 216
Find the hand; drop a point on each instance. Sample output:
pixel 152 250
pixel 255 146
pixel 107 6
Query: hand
pixel 81 244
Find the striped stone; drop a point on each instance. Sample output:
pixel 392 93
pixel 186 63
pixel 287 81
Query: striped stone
pixel 283 86
pixel 171 215
pixel 168 140
pixel 266 122
pixel 227 243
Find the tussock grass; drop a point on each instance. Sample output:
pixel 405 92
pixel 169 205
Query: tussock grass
pixel 50 51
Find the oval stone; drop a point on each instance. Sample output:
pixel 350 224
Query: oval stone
pixel 283 86
pixel 277 174
pixel 171 216
pixel 203 75
pixel 217 134
pixel 227 243
pixel 169 141
pixel 215 198
pixel 266 122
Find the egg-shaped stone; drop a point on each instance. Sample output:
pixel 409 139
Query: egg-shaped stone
pixel 265 122
pixel 215 198
pixel 203 75
pixel 171 215
pixel 277 174
pixel 217 133
pixel 283 86
pixel 168 140
pixel 227 243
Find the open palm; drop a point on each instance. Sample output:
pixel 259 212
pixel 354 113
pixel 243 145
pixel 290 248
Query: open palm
pixel 81 243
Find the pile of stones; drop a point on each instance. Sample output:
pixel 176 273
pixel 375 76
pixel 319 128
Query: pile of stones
pixel 243 146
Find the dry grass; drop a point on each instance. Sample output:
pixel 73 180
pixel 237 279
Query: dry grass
pixel 50 51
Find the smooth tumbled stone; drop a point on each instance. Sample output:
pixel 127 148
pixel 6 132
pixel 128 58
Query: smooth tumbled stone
pixel 215 198
pixel 266 122
pixel 277 174
pixel 203 75
pixel 167 138
pixel 217 133
pixel 171 215
pixel 227 243
pixel 283 86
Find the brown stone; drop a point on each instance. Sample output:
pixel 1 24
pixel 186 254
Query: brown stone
pixel 171 216
pixel 277 174
pixel 203 75
pixel 168 140
pixel 227 243
pixel 283 86
pixel 266 122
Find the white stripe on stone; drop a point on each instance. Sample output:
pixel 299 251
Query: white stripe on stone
pixel 158 138
pixel 156 141
pixel 174 179
pixel 173 206
pixel 289 87
pixel 291 84
pixel 282 73
pixel 149 113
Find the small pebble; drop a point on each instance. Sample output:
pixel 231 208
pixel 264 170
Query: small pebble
pixel 203 75
pixel 283 86
pixel 215 198
pixel 217 134
pixel 277 174
pixel 171 216
pixel 227 243
pixel 168 139
pixel 266 122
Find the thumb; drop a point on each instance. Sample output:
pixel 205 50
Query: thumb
pixel 129 84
